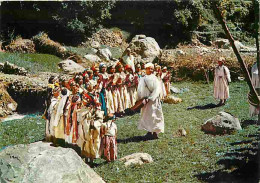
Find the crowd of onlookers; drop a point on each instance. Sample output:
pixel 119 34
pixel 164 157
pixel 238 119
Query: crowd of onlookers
pixel 81 110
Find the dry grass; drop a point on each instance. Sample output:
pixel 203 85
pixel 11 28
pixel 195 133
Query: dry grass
pixel 198 64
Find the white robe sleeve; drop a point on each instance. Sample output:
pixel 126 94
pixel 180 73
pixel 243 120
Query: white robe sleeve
pixel 255 78
pixel 227 74
pixel 140 89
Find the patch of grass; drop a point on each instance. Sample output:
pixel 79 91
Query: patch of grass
pixel 23 131
pixel 82 51
pixel 176 159
pixel 180 159
pixel 32 62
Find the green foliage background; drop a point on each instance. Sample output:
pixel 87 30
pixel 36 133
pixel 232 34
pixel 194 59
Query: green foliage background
pixel 169 22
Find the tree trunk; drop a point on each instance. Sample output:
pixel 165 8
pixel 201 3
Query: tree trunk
pixel 256 8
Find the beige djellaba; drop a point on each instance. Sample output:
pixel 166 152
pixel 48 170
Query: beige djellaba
pixel 221 80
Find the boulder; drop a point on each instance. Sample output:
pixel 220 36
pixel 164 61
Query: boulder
pixel 40 162
pixel 70 67
pixel 180 52
pixel 137 159
pixel 92 58
pixel 223 123
pixel 222 43
pixel 105 54
pixel 7 103
pixel 175 90
pixel 95 44
pixel 144 48
pixel 111 38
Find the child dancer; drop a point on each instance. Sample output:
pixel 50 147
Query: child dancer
pixel 109 132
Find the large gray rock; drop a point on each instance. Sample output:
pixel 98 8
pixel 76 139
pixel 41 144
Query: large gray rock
pixel 39 162
pixel 92 58
pixel 137 159
pixel 105 54
pixel 95 44
pixel 144 48
pixel 70 67
pixel 221 124
pixel 222 43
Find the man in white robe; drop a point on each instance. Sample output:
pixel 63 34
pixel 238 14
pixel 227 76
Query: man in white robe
pixel 221 82
pixel 152 119
pixel 253 111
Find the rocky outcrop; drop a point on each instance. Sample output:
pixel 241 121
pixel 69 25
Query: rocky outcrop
pixel 111 38
pixel 224 43
pixel 29 92
pixel 144 49
pixel 9 68
pixel 70 67
pixel 39 162
pixel 137 159
pixel 223 123
pixel 92 58
pixel 104 54
pixel 21 45
pixel 7 104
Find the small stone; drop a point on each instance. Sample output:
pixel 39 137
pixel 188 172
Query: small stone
pixel 180 52
pixel 137 159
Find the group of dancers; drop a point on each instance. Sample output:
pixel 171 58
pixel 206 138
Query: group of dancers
pixel 81 111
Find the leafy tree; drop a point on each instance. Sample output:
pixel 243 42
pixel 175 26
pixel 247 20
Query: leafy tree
pixel 74 19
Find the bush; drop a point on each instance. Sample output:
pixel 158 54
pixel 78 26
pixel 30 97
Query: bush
pixel 195 66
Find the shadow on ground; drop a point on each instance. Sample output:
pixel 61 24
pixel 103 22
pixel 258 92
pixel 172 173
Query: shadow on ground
pixel 132 139
pixel 204 107
pixel 240 165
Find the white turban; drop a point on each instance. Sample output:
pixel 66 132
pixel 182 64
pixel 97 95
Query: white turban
pixel 149 65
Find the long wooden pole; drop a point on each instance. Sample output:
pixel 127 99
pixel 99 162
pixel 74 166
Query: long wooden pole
pixel 256 10
pixel 232 43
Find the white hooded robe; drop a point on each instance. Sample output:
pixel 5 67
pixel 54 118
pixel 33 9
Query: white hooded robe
pixel 152 119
